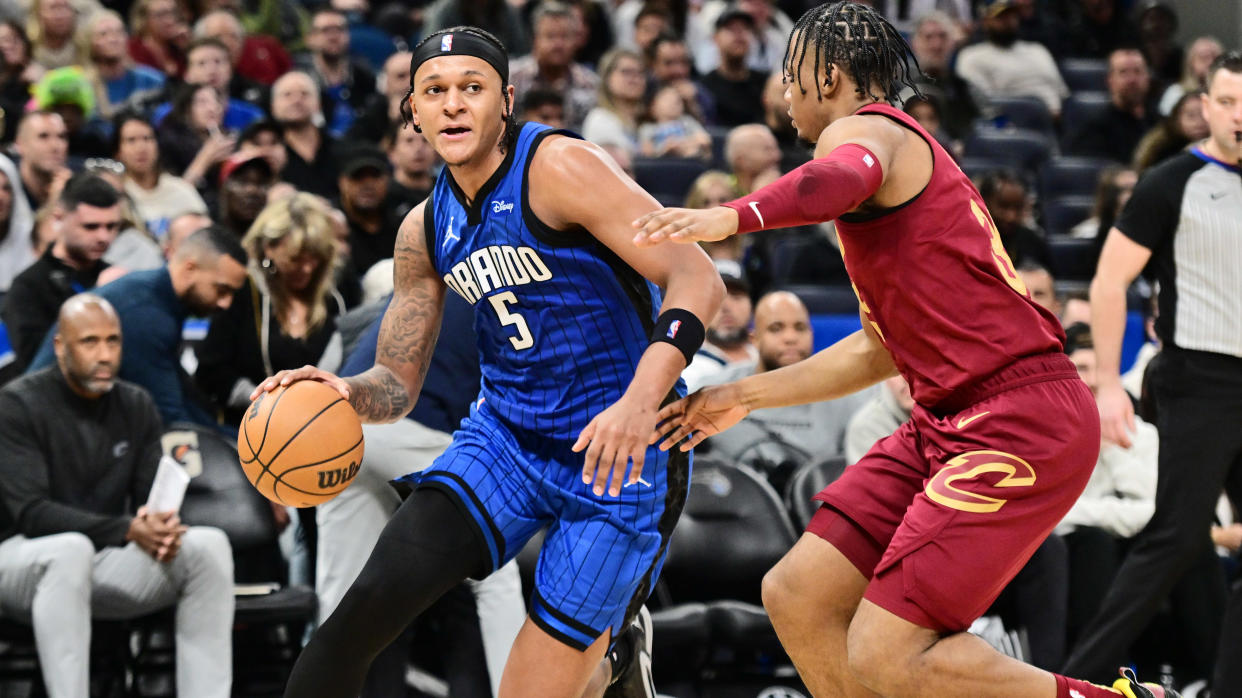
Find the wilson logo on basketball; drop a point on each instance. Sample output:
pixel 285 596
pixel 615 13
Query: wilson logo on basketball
pixel 339 476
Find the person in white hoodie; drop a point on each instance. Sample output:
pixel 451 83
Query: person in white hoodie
pixel 16 224
pixel 1117 502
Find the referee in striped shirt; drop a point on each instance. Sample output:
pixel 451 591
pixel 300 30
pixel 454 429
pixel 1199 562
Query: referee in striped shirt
pixel 1184 224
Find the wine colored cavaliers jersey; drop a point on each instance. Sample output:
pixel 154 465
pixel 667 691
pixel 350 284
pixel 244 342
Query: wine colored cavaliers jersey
pixel 561 320
pixel 936 284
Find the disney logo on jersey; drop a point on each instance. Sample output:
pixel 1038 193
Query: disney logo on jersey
pixel 493 267
pixel 502 206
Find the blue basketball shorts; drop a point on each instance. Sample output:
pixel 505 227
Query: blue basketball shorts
pixel 601 554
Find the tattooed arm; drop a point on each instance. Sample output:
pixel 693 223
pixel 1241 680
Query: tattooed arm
pixel 387 391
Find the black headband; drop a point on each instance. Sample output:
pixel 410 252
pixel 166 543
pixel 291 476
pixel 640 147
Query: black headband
pixel 460 43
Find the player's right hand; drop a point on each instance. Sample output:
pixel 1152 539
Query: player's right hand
pixel 1116 413
pixel 306 373
pixel 685 225
pixel 696 417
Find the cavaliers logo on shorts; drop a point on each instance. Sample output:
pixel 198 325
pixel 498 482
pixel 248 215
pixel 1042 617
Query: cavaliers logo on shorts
pixel 961 482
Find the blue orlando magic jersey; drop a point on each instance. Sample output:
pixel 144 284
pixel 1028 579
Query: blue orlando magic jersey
pixel 561 320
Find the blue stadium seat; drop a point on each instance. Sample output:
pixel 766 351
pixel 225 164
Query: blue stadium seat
pixel 1070 175
pixel 1073 259
pixel 1020 148
pixel 977 167
pixel 667 177
pixel 719 134
pixel 824 299
pixel 1022 112
pixel 1085 73
pixel 1061 213
pixel 1081 107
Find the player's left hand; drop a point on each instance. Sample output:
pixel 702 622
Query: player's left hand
pixel 685 225
pixel 616 435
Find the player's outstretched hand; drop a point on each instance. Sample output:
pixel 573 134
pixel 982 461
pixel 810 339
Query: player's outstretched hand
pixel 1116 414
pixel 306 373
pixel 685 225
pixel 616 436
pixel 696 417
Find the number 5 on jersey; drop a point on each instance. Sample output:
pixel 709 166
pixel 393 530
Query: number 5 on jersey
pixel 500 302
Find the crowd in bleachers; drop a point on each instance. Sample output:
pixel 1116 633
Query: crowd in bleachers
pixel 278 124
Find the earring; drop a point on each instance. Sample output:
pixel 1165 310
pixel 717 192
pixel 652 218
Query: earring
pixel 267 265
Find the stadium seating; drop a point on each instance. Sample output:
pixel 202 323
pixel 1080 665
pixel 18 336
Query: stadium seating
pixel 823 299
pixel 1022 112
pixel 1061 213
pixel 1020 148
pixel 1073 259
pixel 1089 74
pixel 1081 107
pixel 1070 175
pixel 667 179
pixel 806 483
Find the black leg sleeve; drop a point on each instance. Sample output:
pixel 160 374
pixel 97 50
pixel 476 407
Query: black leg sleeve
pixel 428 546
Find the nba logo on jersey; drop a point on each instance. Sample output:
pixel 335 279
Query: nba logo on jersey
pixel 672 329
pixel 446 42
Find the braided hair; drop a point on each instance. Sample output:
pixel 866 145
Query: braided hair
pixel 859 41
pixel 511 126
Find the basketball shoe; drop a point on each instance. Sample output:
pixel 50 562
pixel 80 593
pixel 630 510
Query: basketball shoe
pixel 632 663
pixel 1130 687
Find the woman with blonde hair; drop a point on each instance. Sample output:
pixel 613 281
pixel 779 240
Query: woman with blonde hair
pixel 622 85
pixel 285 315
pixel 713 188
pixel 52 26
pixel 103 42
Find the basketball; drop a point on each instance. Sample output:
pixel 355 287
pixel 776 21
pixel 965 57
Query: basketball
pixel 300 445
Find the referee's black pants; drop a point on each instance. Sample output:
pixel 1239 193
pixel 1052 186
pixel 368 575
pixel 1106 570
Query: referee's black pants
pixel 1198 398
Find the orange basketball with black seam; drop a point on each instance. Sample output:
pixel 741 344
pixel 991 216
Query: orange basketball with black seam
pixel 300 445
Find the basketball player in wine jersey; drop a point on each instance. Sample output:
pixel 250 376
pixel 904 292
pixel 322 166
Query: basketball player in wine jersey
pixel 914 542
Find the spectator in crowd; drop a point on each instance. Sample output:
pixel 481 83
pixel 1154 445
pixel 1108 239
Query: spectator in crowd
pixel 16 226
pixel 668 63
pixel 776 116
pixel 88 217
pixel 669 131
pixel 1118 501
pixel 264 138
pixel 594 31
pixel 413 164
pixel 544 106
pixel 383 107
pixel 245 179
pixel 254 57
pixel 373 214
pixel 191 139
pixel 499 17
pixel 1005 194
pixel 134 248
pixel 285 314
pixel 927 109
pixel 551 65
pixel 312 164
pixel 1173 134
pixel 753 156
pixel 1005 66
pixel 17 73
pixel 51 26
pixel 934 41
pixel 344 81
pixel 652 21
pixel 728 346
pixel 181 227
pixel 736 88
pixel 1157 25
pixel 1199 58
pixel 159 34
pixel 713 188
pixel 43 145
pixel 775 441
pixel 614 120
pixel 206 270
pixel 888 409
pixel 772 28
pixel 207 62
pixel 81 453
pixel 1112 191
pixel 157 195
pixel 1114 133
pixel 1096 28
pixel 1192 384
pixel 1041 286
pixel 68 92
pixel 124 82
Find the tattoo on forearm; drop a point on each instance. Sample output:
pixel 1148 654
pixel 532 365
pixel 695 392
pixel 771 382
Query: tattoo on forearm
pixel 407 336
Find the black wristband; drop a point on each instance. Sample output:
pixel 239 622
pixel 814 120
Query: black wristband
pixel 682 329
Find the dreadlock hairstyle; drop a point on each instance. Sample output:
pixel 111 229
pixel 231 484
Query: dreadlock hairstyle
pixel 859 41
pixel 511 126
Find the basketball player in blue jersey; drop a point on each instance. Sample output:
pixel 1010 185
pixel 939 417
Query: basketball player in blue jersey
pixel 578 353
